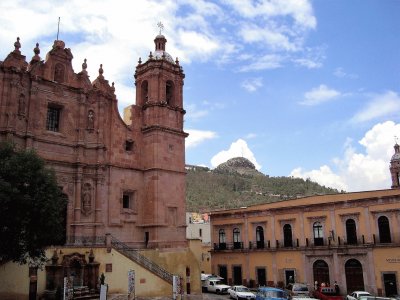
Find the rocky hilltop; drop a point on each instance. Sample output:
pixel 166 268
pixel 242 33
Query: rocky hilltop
pixel 237 183
pixel 239 165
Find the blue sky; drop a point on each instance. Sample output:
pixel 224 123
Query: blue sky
pixel 301 88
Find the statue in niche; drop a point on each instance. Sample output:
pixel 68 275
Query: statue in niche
pixel 59 73
pixel 86 199
pixel 90 120
pixel 21 104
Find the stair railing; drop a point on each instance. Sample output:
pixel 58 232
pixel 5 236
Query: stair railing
pixel 141 260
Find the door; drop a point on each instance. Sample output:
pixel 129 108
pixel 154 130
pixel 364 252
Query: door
pixel 321 272
pixel 289 276
pixel 223 272
pixel 237 275
pixel 390 283
pixel 354 276
pixel 261 277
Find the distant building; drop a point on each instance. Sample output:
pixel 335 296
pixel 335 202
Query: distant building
pixel 124 180
pixel 351 238
pixel 199 237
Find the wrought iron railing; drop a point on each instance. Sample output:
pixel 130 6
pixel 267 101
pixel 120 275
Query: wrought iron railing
pixel 86 240
pixel 141 260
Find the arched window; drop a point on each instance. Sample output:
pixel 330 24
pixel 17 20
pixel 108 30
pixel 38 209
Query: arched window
pixel 318 234
pixel 354 275
pixel 145 91
pixel 384 230
pixel 260 237
pixel 287 236
pixel 169 92
pixel 236 238
pixel 222 240
pixel 321 271
pixel 351 232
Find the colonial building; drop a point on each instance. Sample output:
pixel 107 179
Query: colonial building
pixel 123 179
pixel 351 238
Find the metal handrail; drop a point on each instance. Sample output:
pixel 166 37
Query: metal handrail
pixel 141 260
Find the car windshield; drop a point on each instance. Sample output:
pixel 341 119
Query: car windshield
pixel 272 294
pixel 243 289
pixel 328 291
pixel 300 288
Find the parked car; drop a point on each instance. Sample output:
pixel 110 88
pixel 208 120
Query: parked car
pixel 268 293
pixel 327 293
pixel 214 285
pixel 357 294
pixel 297 289
pixel 240 292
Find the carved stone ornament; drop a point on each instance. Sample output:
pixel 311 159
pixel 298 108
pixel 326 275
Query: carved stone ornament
pixel 86 201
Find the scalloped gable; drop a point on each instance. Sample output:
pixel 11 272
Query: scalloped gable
pixel 102 85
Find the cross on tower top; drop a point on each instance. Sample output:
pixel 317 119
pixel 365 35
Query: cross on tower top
pixel 160 26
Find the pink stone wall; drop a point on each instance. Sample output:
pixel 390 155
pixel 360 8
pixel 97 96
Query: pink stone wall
pixel 88 152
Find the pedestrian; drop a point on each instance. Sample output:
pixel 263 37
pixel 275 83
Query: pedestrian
pixel 316 285
pixel 337 289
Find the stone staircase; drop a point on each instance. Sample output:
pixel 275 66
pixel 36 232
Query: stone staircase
pixel 143 261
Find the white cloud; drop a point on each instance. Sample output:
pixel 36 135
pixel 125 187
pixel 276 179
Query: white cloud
pixel 339 72
pixel 324 176
pixel 383 105
pixel 268 61
pixel 308 63
pixel 252 84
pixel 237 149
pixel 197 137
pixel 360 171
pixel 319 95
pixel 299 10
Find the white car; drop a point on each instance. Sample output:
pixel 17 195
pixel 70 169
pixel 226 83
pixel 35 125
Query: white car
pixel 356 295
pixel 240 292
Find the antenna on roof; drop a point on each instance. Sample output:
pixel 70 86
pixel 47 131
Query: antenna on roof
pixel 58 27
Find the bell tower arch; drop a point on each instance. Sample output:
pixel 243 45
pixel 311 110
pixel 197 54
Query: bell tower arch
pixel 159 85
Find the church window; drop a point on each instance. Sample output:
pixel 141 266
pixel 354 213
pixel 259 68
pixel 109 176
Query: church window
pixel 53 118
pixel 129 145
pixel 169 92
pixel 145 91
pixel 126 201
pixel 129 202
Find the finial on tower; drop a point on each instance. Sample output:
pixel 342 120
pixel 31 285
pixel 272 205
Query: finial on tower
pixel 17 45
pixel 160 26
pixel 396 139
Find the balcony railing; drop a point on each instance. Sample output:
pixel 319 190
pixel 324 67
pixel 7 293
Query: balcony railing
pixel 229 246
pixel 307 243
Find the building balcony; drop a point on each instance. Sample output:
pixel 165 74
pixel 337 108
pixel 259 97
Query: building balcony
pixel 308 243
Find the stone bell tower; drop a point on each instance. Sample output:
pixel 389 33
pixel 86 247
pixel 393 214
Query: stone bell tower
pixel 395 167
pixel 159 85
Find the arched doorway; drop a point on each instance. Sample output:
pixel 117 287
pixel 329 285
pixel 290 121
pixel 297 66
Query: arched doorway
pixel 354 276
pixel 321 271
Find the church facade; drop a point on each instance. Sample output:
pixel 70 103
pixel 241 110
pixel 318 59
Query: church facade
pixel 126 179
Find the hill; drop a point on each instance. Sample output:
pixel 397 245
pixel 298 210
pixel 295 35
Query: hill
pixel 237 183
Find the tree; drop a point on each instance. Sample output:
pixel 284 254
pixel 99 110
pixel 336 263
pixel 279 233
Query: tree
pixel 32 208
